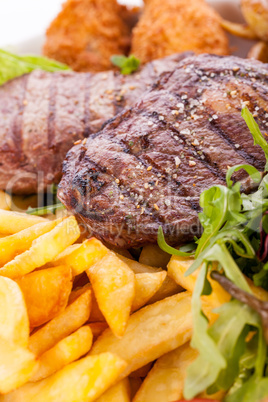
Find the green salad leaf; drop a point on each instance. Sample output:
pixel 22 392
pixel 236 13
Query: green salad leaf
pixel 168 249
pixel 12 66
pixel 256 132
pixel 45 210
pixel 127 65
pixel 232 351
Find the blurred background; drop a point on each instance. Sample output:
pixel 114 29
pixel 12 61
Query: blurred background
pixel 20 20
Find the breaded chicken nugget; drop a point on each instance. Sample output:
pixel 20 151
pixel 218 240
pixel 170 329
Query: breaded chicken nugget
pixel 172 26
pixel 86 33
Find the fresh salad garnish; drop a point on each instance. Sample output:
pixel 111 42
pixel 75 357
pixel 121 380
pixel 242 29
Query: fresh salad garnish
pixel 127 65
pixel 12 65
pixel 233 350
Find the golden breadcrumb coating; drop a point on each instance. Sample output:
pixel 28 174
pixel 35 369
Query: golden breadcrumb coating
pixel 86 33
pixel 172 26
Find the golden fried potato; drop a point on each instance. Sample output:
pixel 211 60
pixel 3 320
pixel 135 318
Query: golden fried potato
pixel 17 365
pixel 165 381
pixel 169 286
pixel 255 13
pixel 72 318
pixel 113 283
pixel 14 322
pixel 46 293
pixel 153 256
pixel 120 392
pixel 12 222
pixel 21 203
pixel 141 372
pixel 151 332
pixel 43 249
pixel 64 352
pixel 174 26
pixel 95 315
pixel 146 285
pixel 81 256
pixel 177 268
pixel 97 328
pixel 15 244
pixel 5 201
pixel 86 33
pixel 84 380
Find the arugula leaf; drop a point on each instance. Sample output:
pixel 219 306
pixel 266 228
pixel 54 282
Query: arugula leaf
pixel 127 65
pixel 12 66
pixel 256 132
pixel 220 204
pixel 45 210
pixel 168 249
pixel 204 370
pixel 251 170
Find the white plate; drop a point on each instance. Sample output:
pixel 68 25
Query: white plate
pixel 229 9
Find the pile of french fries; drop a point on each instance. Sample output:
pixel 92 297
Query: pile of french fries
pixel 80 322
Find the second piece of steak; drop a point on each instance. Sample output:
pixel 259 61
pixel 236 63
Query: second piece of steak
pixel 42 114
pixel 150 164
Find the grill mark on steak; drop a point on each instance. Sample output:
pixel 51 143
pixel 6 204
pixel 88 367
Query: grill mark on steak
pixel 181 118
pixel 206 161
pixel 81 183
pixel 48 135
pixel 216 127
pixel 18 123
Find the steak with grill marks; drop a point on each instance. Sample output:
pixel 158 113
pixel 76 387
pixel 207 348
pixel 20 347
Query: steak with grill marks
pixel 42 114
pixel 150 164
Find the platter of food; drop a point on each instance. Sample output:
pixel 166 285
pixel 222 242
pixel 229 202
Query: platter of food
pixel 133 205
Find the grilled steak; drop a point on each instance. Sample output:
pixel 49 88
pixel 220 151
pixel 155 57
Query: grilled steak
pixel 149 165
pixel 42 114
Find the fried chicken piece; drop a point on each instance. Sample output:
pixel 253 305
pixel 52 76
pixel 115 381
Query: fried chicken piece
pixel 86 33
pixel 173 26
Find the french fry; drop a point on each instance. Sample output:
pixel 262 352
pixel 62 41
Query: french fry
pixel 146 285
pixel 119 392
pixel 153 256
pixel 97 328
pixel 141 372
pixel 15 244
pixel 12 222
pixel 78 292
pixel 137 267
pixel 16 365
pixel 64 352
pixel 72 318
pixel 113 283
pixel 84 380
pixel 179 265
pixel 135 384
pixel 95 315
pixel 43 249
pixel 165 381
pixel 21 203
pixel 151 332
pixel 5 201
pixel 177 268
pixel 81 256
pixel 46 293
pixel 258 292
pixel 169 286
pixel 14 322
